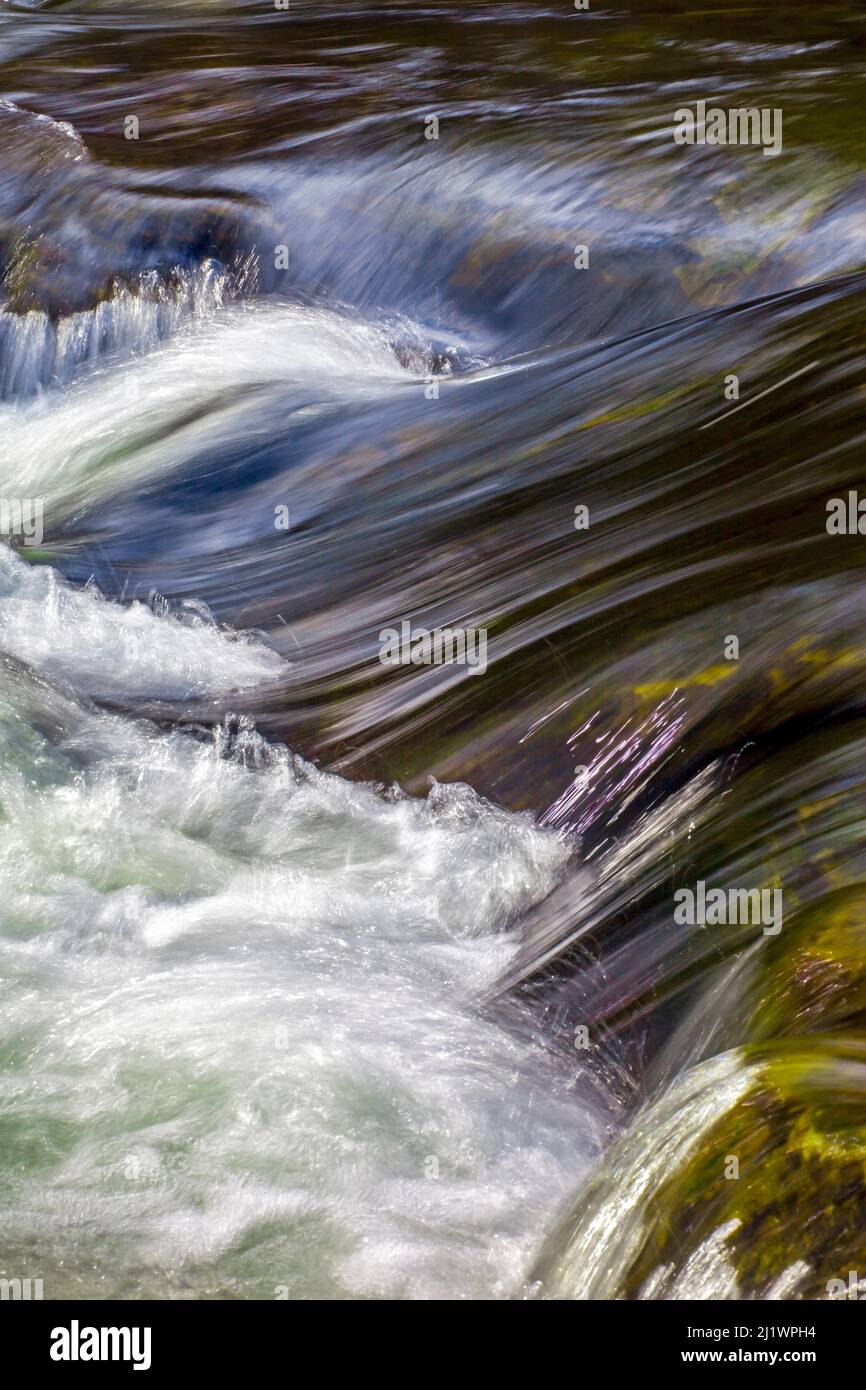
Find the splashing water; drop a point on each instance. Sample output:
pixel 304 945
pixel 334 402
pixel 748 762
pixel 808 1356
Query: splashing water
pixel 327 978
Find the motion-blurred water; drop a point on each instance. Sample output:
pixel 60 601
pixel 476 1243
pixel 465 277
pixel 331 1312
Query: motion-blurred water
pixel 268 1021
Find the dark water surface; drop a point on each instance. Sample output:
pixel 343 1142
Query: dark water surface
pixel 269 1021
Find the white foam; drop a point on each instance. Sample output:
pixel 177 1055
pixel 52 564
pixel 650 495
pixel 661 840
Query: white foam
pixel 245 991
pixel 134 420
pixel 119 651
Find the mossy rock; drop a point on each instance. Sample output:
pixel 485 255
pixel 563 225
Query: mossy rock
pixel 813 976
pixel 747 1179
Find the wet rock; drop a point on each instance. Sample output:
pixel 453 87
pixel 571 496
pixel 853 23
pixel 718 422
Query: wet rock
pixel 71 231
pixel 746 1180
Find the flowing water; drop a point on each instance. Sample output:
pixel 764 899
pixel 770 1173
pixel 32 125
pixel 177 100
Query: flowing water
pixel 328 978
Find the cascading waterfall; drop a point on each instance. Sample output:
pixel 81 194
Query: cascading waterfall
pixel 328 978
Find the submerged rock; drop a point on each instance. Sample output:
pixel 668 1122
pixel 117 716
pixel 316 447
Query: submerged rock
pixel 72 232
